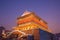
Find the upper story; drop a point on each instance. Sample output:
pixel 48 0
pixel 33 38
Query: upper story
pixel 31 17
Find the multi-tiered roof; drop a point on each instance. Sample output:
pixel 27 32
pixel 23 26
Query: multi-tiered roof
pixel 29 20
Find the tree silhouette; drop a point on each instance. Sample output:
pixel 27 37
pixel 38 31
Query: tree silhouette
pixel 1 30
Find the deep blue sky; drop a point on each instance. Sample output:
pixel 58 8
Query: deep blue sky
pixel 49 10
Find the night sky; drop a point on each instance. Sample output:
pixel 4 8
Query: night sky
pixel 49 10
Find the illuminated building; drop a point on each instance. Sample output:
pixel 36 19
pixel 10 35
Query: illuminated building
pixel 30 23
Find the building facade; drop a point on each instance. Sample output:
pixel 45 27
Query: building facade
pixel 31 27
